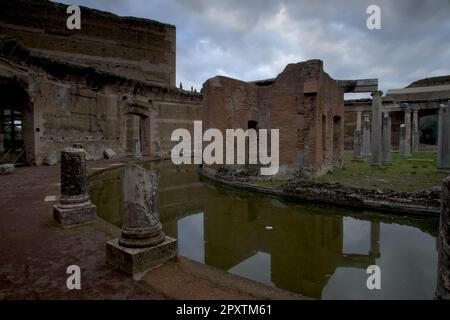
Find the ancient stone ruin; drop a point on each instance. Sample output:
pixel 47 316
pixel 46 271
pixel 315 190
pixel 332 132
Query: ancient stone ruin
pixel 443 161
pixel 416 106
pixel 142 245
pixel 303 102
pixel 74 207
pixel 98 86
pixel 387 144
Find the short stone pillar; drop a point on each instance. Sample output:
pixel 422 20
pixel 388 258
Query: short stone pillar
pixel 443 161
pixel 357 151
pixel 443 244
pixel 74 207
pixel 415 131
pixel 401 139
pixel 143 245
pixel 376 129
pixel 387 146
pixel 366 137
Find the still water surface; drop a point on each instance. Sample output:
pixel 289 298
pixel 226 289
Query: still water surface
pixel 316 250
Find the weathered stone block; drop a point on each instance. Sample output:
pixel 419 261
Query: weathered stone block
pixel 74 215
pixel 7 168
pixel 74 207
pixel 109 153
pixel 51 158
pixel 136 261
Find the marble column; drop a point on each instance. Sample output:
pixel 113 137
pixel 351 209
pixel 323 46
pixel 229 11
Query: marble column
pixel 142 245
pixel 443 161
pixel 357 151
pixel 366 137
pixel 74 207
pixel 376 129
pixel 387 145
pixel 401 140
pixel 443 244
pixel 415 131
pixel 408 132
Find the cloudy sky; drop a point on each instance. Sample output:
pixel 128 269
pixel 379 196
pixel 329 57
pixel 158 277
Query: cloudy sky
pixel 255 39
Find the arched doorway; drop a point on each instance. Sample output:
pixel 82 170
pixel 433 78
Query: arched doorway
pixel 16 124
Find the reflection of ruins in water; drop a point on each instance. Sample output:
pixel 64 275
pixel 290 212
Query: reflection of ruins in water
pixel 296 247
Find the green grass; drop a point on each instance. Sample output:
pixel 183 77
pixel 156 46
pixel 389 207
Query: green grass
pixel 404 174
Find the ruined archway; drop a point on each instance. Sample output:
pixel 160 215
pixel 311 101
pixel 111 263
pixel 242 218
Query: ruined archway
pixel 16 124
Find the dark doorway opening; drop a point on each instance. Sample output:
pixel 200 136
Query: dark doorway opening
pixel 252 124
pixel 16 125
pixel 428 128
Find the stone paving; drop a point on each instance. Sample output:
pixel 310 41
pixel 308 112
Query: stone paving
pixel 35 252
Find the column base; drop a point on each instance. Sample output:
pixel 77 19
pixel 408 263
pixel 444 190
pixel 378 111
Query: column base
pixel 69 216
pixel 376 164
pixel 138 261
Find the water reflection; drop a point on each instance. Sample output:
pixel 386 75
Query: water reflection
pixel 315 250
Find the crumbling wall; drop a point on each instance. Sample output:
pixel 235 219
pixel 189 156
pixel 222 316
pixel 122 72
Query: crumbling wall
pixel 73 103
pixel 303 102
pixel 134 48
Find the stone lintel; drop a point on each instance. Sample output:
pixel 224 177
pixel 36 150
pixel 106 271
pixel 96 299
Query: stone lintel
pixel 138 261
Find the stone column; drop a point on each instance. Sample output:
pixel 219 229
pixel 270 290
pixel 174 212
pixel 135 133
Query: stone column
pixel 358 120
pixel 415 131
pixel 376 129
pixel 387 145
pixel 141 226
pixel 142 245
pixel 443 161
pixel 74 207
pixel 407 131
pixel 357 152
pixel 401 140
pixel 443 244
pixel 366 137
